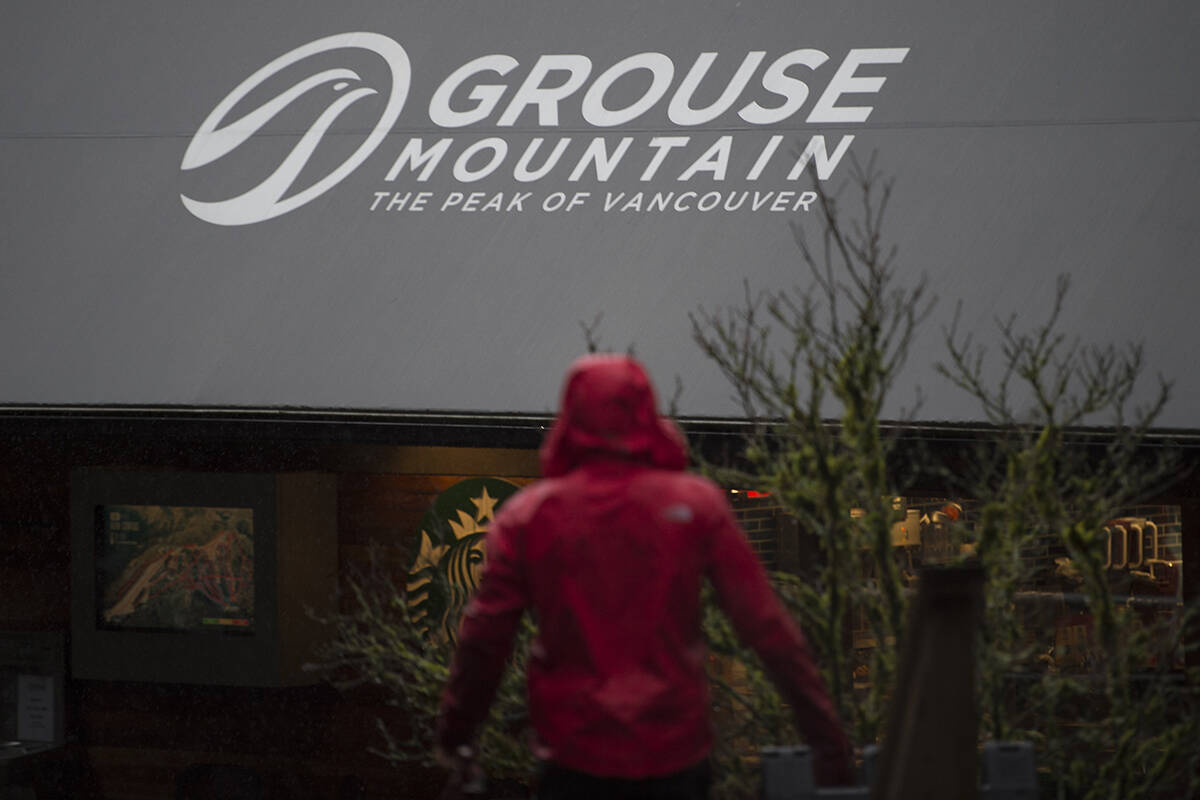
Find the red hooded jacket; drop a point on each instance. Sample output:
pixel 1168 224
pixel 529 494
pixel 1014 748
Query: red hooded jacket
pixel 609 551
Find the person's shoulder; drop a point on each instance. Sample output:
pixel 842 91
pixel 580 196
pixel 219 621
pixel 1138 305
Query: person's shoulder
pixel 687 486
pixel 521 506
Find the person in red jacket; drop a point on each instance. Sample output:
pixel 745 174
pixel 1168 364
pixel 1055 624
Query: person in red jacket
pixel 609 551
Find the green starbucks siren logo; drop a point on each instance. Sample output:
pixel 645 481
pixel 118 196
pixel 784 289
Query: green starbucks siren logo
pixel 448 563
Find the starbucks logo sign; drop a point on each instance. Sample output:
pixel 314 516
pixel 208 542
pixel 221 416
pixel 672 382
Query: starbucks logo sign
pixel 450 557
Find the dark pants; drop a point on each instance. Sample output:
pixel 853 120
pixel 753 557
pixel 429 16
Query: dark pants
pixel 560 783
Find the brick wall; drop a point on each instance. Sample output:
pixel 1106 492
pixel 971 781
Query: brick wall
pixel 759 518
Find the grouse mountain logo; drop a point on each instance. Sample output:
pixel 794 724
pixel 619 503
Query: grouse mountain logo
pixel 450 558
pixel 218 135
pixel 730 148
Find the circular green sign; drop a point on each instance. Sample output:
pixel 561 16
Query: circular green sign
pixel 445 571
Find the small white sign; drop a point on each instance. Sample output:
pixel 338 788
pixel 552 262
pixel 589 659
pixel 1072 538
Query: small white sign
pixel 35 708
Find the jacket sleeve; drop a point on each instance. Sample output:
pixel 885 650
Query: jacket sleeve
pixel 485 639
pixel 763 624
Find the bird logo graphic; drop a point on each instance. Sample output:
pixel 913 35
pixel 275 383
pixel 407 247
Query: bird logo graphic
pixel 218 136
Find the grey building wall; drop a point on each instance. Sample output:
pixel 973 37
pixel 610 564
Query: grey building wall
pixel 1025 139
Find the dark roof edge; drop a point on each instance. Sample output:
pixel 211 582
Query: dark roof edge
pixel 302 416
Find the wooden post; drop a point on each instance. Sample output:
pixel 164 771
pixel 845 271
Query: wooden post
pixel 1189 517
pixel 930 752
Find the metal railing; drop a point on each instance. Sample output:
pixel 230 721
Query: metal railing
pixel 1006 771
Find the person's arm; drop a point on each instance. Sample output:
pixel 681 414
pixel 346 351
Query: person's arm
pixel 485 640
pixel 764 625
